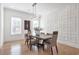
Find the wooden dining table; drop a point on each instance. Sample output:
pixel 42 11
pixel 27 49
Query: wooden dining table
pixel 41 37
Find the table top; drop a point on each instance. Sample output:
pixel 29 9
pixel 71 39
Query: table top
pixel 43 37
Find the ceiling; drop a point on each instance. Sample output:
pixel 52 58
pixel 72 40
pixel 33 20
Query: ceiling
pixel 42 8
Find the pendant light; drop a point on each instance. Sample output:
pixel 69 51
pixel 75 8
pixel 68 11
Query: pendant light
pixel 34 10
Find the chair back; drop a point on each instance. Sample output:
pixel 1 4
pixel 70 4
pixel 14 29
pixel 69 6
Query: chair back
pixel 49 34
pixel 54 38
pixel 42 33
pixel 27 36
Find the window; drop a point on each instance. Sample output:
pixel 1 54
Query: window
pixel 15 25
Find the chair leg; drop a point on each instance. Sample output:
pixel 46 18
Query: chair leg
pixel 38 47
pixel 56 49
pixel 51 51
pixel 30 47
pixel 43 47
pixel 25 42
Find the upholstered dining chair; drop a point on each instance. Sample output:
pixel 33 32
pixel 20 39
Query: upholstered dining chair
pixel 42 33
pixel 27 37
pixel 49 34
pixel 53 42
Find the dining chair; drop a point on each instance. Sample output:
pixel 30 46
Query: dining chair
pixel 48 33
pixel 53 42
pixel 42 33
pixel 27 37
pixel 35 42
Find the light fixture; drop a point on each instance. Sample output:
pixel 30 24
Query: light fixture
pixel 34 10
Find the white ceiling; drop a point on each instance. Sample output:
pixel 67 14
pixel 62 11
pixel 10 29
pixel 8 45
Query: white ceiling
pixel 42 8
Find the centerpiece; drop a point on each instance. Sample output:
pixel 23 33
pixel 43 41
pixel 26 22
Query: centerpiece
pixel 37 30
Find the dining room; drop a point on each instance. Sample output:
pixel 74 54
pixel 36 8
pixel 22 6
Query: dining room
pixel 39 29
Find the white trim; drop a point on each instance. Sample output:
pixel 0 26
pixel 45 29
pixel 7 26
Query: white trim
pixel 75 45
pixel 2 26
pixel 13 40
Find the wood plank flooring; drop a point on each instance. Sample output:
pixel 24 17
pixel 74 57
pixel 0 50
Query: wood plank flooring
pixel 19 48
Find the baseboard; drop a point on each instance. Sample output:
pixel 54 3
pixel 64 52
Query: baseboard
pixel 13 40
pixel 75 45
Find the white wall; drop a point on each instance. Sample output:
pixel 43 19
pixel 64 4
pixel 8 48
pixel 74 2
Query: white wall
pixel 66 21
pixel 8 13
pixel 1 25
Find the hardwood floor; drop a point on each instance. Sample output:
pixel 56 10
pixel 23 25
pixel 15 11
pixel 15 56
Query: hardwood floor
pixel 19 48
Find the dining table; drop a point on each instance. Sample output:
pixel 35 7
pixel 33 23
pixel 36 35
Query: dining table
pixel 42 36
pixel 40 39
